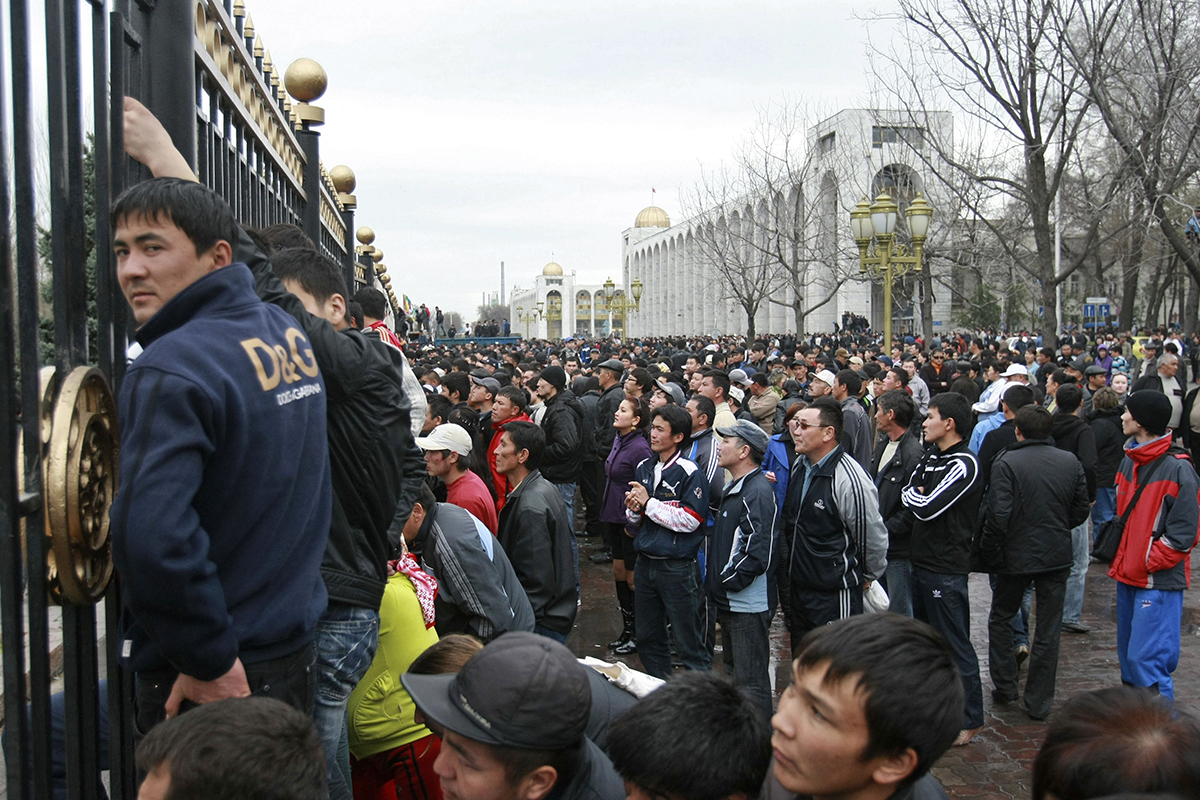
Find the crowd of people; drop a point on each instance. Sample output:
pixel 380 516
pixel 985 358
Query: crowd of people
pixel 386 542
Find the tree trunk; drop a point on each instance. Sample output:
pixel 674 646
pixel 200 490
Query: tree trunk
pixel 1190 306
pixel 926 282
pixel 1154 298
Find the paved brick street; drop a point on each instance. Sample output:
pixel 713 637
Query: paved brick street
pixel 997 763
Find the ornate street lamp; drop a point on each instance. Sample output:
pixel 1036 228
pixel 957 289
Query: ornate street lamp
pixel 889 259
pixel 623 305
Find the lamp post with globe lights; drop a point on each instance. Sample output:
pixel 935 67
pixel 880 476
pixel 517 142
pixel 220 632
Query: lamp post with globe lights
pixel 889 259
pixel 623 305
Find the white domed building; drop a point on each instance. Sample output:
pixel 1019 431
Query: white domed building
pixel 557 307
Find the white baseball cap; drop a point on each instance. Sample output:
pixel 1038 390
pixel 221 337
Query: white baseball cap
pixel 447 437
pixel 1015 369
pixel 825 376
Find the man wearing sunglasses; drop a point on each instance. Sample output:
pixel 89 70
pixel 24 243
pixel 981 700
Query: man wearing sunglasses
pixel 837 540
pixel 937 374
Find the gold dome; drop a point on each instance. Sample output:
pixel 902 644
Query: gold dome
pixel 342 178
pixel 652 217
pixel 305 80
pixel 365 235
pixel 553 268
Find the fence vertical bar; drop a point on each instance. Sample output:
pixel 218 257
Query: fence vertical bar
pixel 12 628
pixel 28 325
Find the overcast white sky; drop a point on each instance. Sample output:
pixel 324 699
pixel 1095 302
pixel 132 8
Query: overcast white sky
pixel 527 130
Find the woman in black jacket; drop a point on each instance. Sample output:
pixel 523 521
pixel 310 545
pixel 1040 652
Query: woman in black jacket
pixel 1105 420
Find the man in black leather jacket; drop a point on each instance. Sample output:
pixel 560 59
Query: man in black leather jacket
pixel 1024 548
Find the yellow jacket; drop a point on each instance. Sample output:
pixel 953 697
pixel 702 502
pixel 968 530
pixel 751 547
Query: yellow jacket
pixel 381 712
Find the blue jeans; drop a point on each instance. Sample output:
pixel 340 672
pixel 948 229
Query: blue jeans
pixel 942 601
pixel 1105 508
pixel 1148 623
pixel 746 649
pixel 1073 605
pixel 347 637
pixel 567 492
pixel 667 591
pixel 898 582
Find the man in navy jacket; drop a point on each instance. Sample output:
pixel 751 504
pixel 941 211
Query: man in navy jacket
pixel 741 564
pixel 223 513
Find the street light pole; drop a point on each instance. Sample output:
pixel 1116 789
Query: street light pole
pixel 891 259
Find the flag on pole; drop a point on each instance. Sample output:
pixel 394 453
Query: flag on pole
pixel 408 306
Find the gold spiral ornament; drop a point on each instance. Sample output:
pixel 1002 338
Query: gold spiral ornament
pixel 81 481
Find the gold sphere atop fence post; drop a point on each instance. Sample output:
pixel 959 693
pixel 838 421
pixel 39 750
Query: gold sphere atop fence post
pixel 343 180
pixel 364 235
pixel 306 81
pixel 377 255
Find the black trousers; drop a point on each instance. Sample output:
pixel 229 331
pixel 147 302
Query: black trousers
pixel 289 678
pixel 591 489
pixel 1050 588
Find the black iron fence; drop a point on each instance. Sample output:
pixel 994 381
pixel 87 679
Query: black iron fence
pixel 200 66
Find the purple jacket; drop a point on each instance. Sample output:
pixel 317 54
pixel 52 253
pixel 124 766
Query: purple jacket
pixel 628 451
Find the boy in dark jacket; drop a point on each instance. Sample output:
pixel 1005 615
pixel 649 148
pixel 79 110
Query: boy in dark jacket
pixel 1023 549
pixel 668 505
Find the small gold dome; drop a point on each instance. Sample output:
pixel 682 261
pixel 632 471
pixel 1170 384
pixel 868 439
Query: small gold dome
pixel 553 268
pixel 365 235
pixel 377 255
pixel 342 178
pixel 305 80
pixel 652 217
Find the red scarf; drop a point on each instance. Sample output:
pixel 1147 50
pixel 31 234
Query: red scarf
pixel 425 584
pixel 386 334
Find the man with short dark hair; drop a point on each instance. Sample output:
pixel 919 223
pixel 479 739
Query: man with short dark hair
pixel 478 590
pixel 943 496
pixel 762 402
pixel 563 424
pixel 1119 742
pixel 535 531
pixel 247 748
pixel 210 367
pixel 513 724
pixel 741 561
pixel 668 505
pixel 715 386
pixel 874 702
pixel 892 464
pixel 836 536
pixel 856 425
pixel 1024 549
pixel 1074 435
pixel 695 738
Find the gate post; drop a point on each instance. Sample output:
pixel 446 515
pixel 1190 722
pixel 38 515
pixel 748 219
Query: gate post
pixel 305 80
pixel 171 85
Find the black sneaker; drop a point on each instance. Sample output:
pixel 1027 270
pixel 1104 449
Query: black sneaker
pixel 603 557
pixel 1022 654
pixel 1076 627
pixel 628 648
